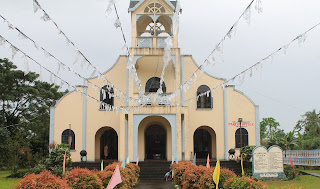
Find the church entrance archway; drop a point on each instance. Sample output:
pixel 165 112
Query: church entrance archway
pixel 155 142
pixel 107 144
pixel 204 142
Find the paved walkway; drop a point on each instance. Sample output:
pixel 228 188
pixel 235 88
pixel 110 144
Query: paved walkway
pixel 313 174
pixel 154 184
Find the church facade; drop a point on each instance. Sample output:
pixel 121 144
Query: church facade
pixel 163 128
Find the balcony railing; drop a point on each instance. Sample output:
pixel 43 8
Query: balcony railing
pixel 151 42
pixel 153 99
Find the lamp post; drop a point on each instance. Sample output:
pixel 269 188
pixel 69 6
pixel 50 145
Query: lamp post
pixel 240 121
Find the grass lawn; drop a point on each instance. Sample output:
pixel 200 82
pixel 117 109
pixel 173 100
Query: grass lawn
pixel 306 181
pixel 6 183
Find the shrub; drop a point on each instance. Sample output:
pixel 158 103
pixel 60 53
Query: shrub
pixel 288 171
pixel 207 181
pixel 179 169
pixel 43 180
pixel 55 161
pixel 104 176
pixel 243 183
pixel 129 175
pixel 191 177
pixel 83 178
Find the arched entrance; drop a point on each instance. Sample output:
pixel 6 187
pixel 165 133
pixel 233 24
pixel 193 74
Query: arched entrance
pixel 204 142
pixel 155 142
pixel 106 144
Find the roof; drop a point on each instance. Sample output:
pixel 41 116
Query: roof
pixel 135 4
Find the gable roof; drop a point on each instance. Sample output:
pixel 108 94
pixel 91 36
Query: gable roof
pixel 134 4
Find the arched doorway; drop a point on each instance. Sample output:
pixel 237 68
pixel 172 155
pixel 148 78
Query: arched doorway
pixel 109 145
pixel 204 140
pixel 155 142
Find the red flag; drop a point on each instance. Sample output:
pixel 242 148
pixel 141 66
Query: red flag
pixel 64 164
pixel 115 179
pixel 137 161
pixel 208 162
pixel 292 165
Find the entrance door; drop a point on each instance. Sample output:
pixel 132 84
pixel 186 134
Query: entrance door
pixel 155 142
pixel 202 143
pixel 109 145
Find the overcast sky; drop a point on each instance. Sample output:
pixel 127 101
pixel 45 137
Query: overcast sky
pixel 284 89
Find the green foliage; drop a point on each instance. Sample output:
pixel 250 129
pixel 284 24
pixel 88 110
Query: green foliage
pixel 288 171
pixel 246 153
pixel 243 183
pixel 310 126
pixel 267 127
pixel 54 162
pixel 24 116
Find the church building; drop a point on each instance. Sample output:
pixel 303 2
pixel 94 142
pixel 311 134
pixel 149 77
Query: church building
pixel 163 126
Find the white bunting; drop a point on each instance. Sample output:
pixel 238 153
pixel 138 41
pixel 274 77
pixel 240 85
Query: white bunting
pixel 35 6
pixel 14 51
pixel 45 17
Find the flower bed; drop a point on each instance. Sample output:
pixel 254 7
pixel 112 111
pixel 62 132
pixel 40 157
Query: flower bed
pixel 82 178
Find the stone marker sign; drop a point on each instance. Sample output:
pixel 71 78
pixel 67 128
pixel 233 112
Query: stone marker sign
pixel 267 163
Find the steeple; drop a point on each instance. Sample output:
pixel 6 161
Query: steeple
pixel 151 23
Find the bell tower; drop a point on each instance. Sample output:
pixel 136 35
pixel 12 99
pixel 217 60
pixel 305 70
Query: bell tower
pixel 152 22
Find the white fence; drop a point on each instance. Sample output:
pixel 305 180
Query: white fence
pixel 302 157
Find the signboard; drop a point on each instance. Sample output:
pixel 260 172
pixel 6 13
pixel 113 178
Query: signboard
pixel 243 124
pixel 267 164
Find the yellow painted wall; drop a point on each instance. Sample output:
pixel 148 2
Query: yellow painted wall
pixel 70 109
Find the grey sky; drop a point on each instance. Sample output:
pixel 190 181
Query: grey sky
pixel 284 89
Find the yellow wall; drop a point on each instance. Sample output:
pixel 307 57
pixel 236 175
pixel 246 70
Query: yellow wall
pixel 70 109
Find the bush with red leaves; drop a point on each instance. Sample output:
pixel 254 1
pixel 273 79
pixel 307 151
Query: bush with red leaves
pixel 83 178
pixel 43 180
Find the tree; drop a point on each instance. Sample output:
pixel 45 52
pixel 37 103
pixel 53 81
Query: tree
pixel 24 113
pixel 309 125
pixel 268 126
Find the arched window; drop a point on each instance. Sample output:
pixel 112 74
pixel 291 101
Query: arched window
pixel 68 137
pixel 106 97
pixel 153 84
pixel 205 100
pixel 241 134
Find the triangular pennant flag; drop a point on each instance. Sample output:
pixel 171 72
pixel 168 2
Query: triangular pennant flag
pixel 242 171
pixel 172 160
pixel 137 163
pixel 208 162
pixel 115 179
pixel 102 165
pixel 216 174
pixel 123 164
pixel 64 163
pixel 194 159
pixel 291 162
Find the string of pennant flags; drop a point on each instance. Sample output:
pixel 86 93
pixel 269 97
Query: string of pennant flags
pixel 63 66
pixel 211 59
pixel 241 76
pixel 79 54
pixel 26 57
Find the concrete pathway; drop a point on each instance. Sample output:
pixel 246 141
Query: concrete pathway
pixel 308 173
pixel 154 184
